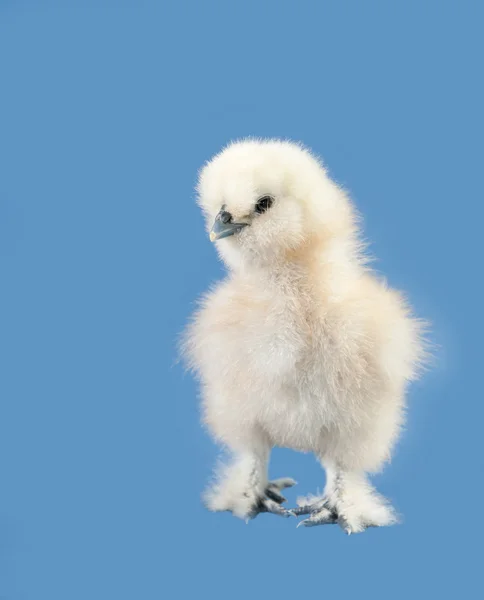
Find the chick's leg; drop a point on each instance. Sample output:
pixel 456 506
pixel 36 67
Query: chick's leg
pixel 349 500
pixel 242 487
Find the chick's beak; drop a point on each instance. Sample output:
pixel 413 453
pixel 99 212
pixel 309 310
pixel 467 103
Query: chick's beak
pixel 224 226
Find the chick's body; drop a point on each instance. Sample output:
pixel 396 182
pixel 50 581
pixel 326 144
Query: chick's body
pixel 301 346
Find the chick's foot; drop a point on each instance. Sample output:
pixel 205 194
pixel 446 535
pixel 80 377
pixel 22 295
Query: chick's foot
pixel 272 499
pixel 246 498
pixel 352 515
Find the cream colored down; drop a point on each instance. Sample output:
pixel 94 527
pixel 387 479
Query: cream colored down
pixel 301 346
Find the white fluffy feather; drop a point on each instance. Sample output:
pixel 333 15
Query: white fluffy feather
pixel 301 346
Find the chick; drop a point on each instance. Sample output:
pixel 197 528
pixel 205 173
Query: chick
pixel 301 346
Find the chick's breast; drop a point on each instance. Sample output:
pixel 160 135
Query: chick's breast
pixel 246 333
pixel 245 343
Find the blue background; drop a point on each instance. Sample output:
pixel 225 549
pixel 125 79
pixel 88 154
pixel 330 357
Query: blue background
pixel 107 110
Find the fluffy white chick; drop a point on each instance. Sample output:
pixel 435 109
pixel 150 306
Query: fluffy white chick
pixel 301 346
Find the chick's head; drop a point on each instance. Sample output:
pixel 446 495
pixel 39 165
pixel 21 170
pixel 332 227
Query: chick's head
pixel 264 200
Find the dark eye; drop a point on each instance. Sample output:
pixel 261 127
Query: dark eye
pixel 263 204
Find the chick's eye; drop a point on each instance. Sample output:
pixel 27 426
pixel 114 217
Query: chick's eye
pixel 263 204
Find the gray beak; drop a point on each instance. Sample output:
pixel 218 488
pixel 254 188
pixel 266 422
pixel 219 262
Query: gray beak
pixel 224 226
